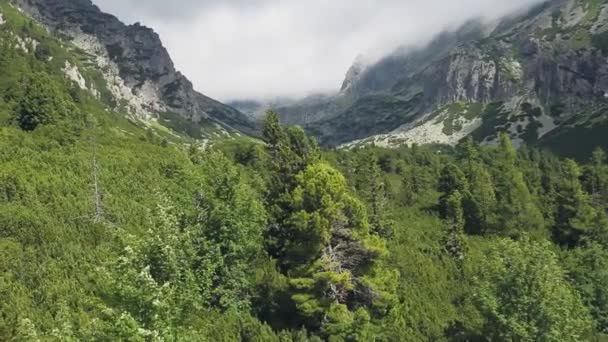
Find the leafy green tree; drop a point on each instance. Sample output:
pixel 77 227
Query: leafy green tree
pixel 408 185
pixel 372 185
pixel 154 279
pixel 479 200
pixel 452 180
pixel 523 293
pixel 377 197
pixel 596 178
pixel 469 153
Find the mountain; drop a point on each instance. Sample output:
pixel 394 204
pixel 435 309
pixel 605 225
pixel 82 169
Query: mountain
pixel 114 227
pixel 256 108
pixel 542 76
pixel 139 74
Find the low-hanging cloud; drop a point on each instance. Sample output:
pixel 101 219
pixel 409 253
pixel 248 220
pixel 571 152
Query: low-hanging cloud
pixel 234 49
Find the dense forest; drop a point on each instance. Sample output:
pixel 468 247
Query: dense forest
pixel 111 230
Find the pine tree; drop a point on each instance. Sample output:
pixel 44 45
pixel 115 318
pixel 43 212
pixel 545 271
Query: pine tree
pixel 370 182
pixel 597 181
pixel 289 152
pixel 480 201
pixel 455 240
pixel 229 231
pixel 517 211
pixel 332 257
pixel 469 153
pixel 575 216
pixel 452 180
pixel 408 185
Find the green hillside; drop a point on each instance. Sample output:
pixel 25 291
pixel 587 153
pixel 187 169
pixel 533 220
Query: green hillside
pixel 114 229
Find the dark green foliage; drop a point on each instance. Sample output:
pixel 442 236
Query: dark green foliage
pixel 600 41
pixel 516 207
pixel 455 242
pixel 42 103
pixel 575 217
pixel 114 230
pixel 523 292
pixel 229 228
pixel 588 268
pixel 321 237
pixel 289 153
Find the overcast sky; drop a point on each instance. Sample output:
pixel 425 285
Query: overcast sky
pixel 265 48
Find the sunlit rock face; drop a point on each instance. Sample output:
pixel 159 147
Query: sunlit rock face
pixel 136 66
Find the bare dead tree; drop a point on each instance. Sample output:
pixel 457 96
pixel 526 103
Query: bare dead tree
pixel 98 215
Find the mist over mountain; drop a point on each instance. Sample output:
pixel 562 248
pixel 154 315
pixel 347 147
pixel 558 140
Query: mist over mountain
pixel 262 49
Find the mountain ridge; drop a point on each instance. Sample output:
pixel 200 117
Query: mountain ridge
pixel 138 69
pixel 515 74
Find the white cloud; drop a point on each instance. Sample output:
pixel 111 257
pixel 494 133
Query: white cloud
pixel 265 48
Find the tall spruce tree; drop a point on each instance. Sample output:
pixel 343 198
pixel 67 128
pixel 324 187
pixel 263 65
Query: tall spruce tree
pixel 452 180
pixel 289 152
pixel 575 216
pixel 455 241
pixel 517 210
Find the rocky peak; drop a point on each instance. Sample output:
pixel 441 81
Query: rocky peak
pixel 353 73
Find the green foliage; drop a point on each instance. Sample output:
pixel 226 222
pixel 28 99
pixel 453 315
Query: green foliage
pixel 455 241
pixel 113 231
pixel 229 231
pixel 575 216
pixel 42 103
pixel 588 268
pixel 524 294
pixel 516 206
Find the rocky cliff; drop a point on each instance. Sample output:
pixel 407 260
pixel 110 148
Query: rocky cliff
pixel 138 70
pixel 539 75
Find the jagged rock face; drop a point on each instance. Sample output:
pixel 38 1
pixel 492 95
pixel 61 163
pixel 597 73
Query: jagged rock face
pixel 353 74
pixel 533 75
pixel 143 65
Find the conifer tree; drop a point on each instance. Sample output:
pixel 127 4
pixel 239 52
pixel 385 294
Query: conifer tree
pixel 455 241
pixel 452 180
pixel 289 152
pixel 575 216
pixel 480 201
pixel 408 185
pixel 332 257
pixel 229 231
pixel 517 211
pixel 598 176
pixel 370 182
